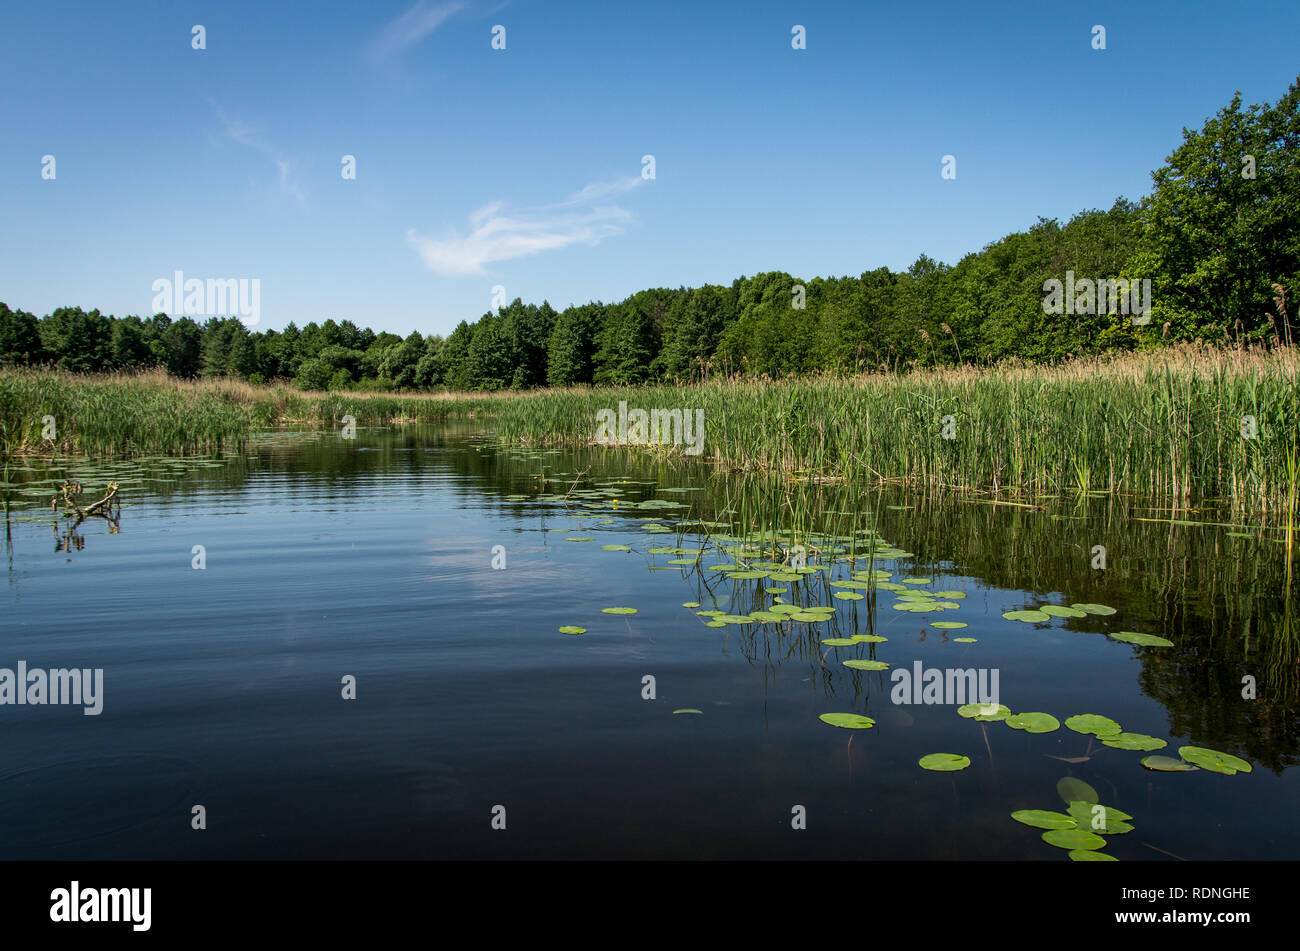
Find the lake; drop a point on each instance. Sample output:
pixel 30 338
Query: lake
pixel 372 558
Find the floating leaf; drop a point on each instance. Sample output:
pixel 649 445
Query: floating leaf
pixel 1029 617
pixel 948 625
pixel 1073 790
pixel 1102 609
pixel 984 712
pixel 848 596
pixel 811 617
pixel 690 604
pixel 1073 839
pixel 735 619
pixel 848 721
pixel 570 629
pixel 1214 760
pixel 1134 741
pixel 1055 610
pixel 614 548
pixel 1099 726
pixel 769 616
pixel 839 642
pixel 950 595
pixel 618 610
pixel 866 664
pixel 943 762
pixel 688 710
pixel 715 624
pixel 1087 855
pixel 1033 722
pixel 869 639
pixel 1043 819
pixel 1145 640
pixel 965 640
pixel 1112 822
pixel 580 539
pixel 1167 764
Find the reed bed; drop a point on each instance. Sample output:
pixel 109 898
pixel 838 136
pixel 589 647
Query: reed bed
pixel 1183 423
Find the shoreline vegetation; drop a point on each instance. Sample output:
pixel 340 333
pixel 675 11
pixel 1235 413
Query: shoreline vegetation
pixel 1188 422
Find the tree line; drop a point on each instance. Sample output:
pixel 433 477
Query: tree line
pixel 1216 238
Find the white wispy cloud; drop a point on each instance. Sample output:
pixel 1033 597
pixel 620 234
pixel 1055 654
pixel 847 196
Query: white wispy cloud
pixel 411 27
pixel 239 131
pixel 498 234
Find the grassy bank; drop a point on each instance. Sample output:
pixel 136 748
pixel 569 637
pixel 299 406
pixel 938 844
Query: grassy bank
pixel 1164 425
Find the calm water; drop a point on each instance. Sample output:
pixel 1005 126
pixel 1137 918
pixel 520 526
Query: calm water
pixel 372 558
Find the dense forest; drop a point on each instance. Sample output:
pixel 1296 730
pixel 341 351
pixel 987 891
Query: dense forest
pixel 1217 239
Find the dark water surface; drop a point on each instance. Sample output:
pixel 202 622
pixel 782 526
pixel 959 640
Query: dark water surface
pixel 372 558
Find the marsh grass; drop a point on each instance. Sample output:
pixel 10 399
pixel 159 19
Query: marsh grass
pixel 1157 425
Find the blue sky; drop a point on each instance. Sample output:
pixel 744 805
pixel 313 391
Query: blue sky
pixel 522 167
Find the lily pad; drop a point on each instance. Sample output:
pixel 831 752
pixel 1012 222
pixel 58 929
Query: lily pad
pixel 572 629
pixel 1214 760
pixel 848 596
pixel 735 619
pixel 1099 726
pixel 1087 855
pixel 1055 610
pixel 690 604
pixel 1029 617
pixel 1134 741
pixel 1033 722
pixel 866 664
pixel 1073 839
pixel 1072 790
pixel 1111 821
pixel 839 642
pixel 1044 819
pixel 984 712
pixel 950 595
pixel 618 610
pixel 848 721
pixel 869 639
pixel 1167 764
pixel 948 625
pixel 688 710
pixel 1102 609
pixel 965 640
pixel 614 548
pixel 944 762
pixel 1144 640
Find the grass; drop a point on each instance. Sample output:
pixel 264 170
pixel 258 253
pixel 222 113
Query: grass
pixel 1159 425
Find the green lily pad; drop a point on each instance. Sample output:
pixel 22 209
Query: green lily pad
pixel 1112 820
pixel 869 639
pixel 1029 617
pixel 580 539
pixel 848 721
pixel 571 629
pixel 1144 640
pixel 690 604
pixel 1099 726
pixel 1214 760
pixel 1033 722
pixel 1102 609
pixel 767 616
pixel 965 640
pixel 1167 764
pixel 614 548
pixel 1073 839
pixel 848 596
pixel 735 619
pixel 943 762
pixel 1055 610
pixel 688 710
pixel 984 712
pixel 949 625
pixel 715 624
pixel 950 595
pixel 1073 790
pixel 618 610
pixel 790 609
pixel 811 617
pixel 1043 819
pixel 866 664
pixel 839 642
pixel 1134 741
pixel 1087 855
